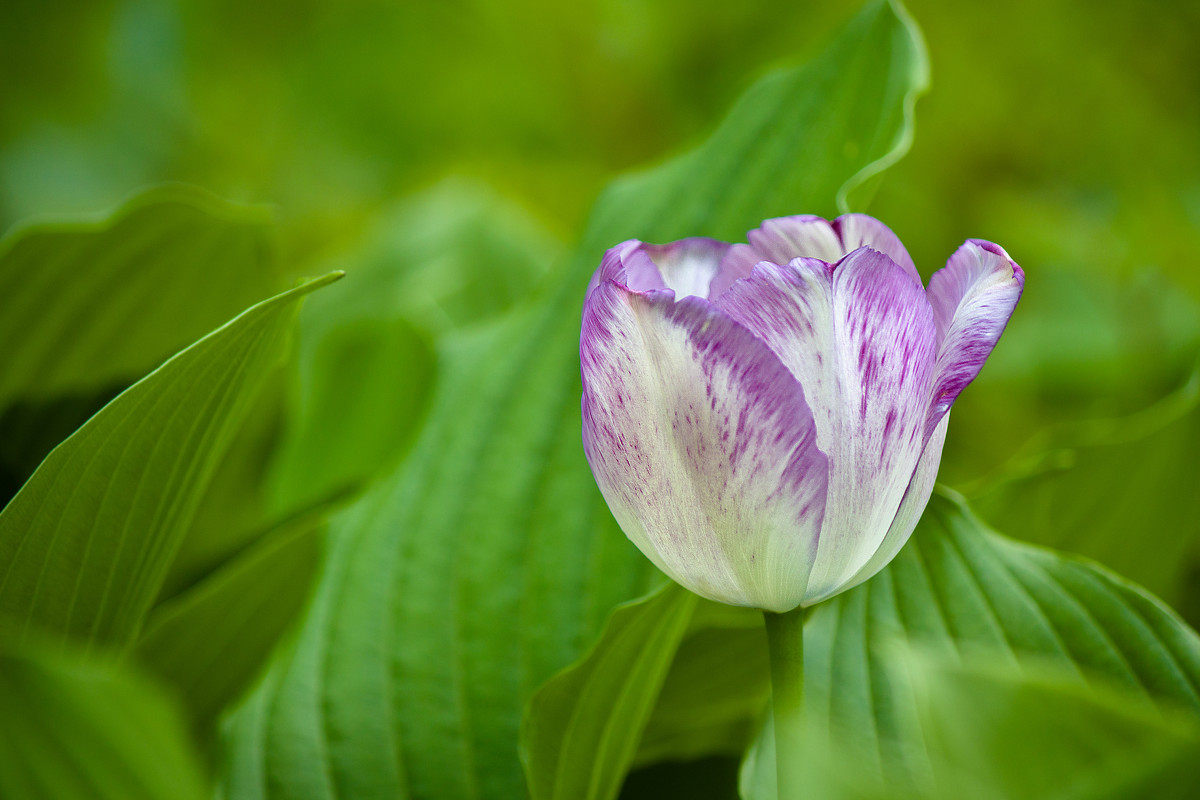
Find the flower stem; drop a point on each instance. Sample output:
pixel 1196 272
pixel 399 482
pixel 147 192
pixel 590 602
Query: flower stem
pixel 785 641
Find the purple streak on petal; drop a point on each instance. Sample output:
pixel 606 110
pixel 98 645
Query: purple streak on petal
pixel 861 339
pixel 859 230
pixel 973 297
pixel 703 446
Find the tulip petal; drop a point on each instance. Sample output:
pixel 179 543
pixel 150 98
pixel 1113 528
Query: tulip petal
pixel 781 239
pixel 807 236
pixel 916 497
pixel 861 339
pixel 973 297
pixel 688 266
pixel 703 446
pixel 860 230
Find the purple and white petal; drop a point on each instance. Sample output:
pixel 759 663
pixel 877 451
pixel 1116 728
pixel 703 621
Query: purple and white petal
pixel 688 266
pixel 916 497
pixel 703 446
pixel 861 230
pixel 860 337
pixel 973 297
pixel 781 239
pixel 627 265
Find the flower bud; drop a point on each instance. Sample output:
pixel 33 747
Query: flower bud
pixel 765 420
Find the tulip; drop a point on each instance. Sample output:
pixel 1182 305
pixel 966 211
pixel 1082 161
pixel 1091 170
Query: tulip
pixel 766 420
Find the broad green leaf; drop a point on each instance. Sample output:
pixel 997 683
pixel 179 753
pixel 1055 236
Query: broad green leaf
pixel 452 256
pixel 488 561
pixel 672 677
pixel 212 641
pixel 998 733
pixel 85 306
pixel 714 695
pixel 960 590
pixel 1121 491
pixel 583 725
pixel 88 540
pixel 90 731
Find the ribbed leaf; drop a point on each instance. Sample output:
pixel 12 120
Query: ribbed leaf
pixel 75 731
pixel 86 543
pixel 590 714
pixel 489 561
pixel 1143 466
pixel 960 590
pixel 211 641
pixel 88 305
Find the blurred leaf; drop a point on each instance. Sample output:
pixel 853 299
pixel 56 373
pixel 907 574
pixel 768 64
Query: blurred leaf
pixel 1121 491
pixel 213 640
pixel 88 540
pixel 488 561
pixel 88 305
pixel 713 697
pixel 449 257
pixel 1002 733
pixel 959 590
pixel 90 731
pixel 582 726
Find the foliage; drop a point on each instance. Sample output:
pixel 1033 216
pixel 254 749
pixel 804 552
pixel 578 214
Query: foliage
pixel 353 549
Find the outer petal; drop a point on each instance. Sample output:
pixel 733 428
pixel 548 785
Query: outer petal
pixel 911 508
pixel 973 297
pixel 860 230
pixel 860 337
pixel 703 446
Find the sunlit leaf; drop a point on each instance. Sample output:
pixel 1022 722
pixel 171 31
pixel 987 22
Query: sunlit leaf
pixel 87 542
pixel 489 561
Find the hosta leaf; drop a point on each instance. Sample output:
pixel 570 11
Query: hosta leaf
pixel 672 677
pixel 593 714
pixel 488 561
pixel 211 641
pixel 90 731
pixel 86 543
pixel 960 590
pixel 88 305
pixel 997 733
pixel 1143 466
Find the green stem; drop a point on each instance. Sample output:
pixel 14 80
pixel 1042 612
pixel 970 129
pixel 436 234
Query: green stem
pixel 785 641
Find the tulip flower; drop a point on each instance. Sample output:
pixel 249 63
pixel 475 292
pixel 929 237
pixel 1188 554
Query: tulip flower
pixel 766 420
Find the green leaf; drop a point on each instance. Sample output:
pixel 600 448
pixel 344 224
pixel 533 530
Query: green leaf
pixel 90 731
pixel 452 256
pixel 672 677
pixel 1143 466
pixel 88 540
pixel 212 641
pixel 1001 733
pixel 488 561
pixel 88 305
pixel 583 725
pixel 960 590
pixel 713 697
